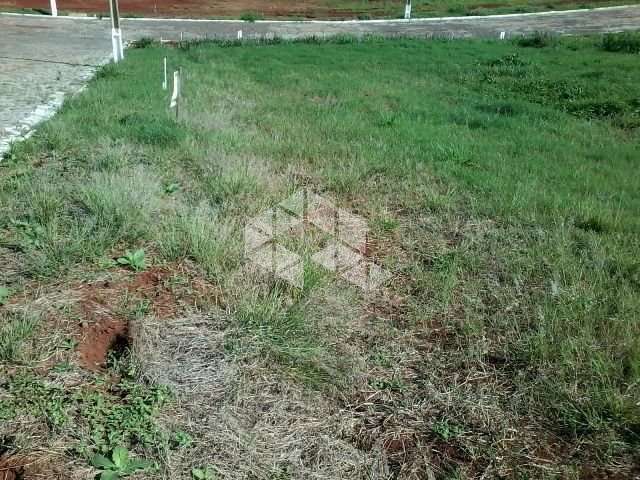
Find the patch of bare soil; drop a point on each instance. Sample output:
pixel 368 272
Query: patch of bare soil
pixel 103 307
pixel 205 8
pixel 37 465
pixel 10 468
pixel 101 338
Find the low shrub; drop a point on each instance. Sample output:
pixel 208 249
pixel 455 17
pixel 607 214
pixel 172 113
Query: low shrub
pixel 627 42
pixel 536 40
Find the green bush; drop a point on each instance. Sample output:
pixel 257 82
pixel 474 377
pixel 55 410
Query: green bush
pixel 627 42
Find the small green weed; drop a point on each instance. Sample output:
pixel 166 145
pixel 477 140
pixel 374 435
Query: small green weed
pixel 5 293
pixel 447 430
pixel 119 465
pixel 181 440
pixel 31 233
pixel 171 188
pixel 135 260
pixel 206 473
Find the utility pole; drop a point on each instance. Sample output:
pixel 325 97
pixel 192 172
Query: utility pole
pixel 116 33
pixel 54 8
pixel 407 10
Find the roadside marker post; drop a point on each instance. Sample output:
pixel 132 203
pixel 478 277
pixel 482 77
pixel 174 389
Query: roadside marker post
pixel 175 96
pixel 239 34
pixel 54 8
pixel 164 82
pixel 502 35
pixel 407 10
pixel 116 33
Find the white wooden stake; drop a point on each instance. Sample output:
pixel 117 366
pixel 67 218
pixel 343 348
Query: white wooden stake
pixel 54 8
pixel 502 35
pixel 407 10
pixel 239 34
pixel 164 82
pixel 175 97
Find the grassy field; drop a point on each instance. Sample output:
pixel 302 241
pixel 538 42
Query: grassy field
pixel 320 9
pixel 498 180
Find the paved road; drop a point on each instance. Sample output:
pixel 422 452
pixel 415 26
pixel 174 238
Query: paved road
pixel 42 59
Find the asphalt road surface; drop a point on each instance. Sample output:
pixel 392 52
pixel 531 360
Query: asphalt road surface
pixel 42 59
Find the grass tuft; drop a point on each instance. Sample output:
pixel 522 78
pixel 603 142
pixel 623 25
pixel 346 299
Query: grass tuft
pixel 251 17
pixel 15 330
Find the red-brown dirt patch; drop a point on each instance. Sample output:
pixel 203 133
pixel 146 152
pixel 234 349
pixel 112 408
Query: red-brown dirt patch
pixel 101 338
pixel 103 307
pixel 206 8
pixel 10 468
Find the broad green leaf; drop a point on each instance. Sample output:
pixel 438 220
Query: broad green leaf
pixel 197 473
pixel 123 261
pixel 109 475
pixel 101 461
pixel 4 295
pixel 120 457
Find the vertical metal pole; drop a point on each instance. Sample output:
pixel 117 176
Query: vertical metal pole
pixel 54 8
pixel 116 33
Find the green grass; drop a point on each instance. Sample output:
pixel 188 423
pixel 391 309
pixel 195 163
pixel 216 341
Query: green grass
pixel 423 8
pixel 498 181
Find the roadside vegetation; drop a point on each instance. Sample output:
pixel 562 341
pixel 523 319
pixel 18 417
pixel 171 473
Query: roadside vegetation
pixel 498 182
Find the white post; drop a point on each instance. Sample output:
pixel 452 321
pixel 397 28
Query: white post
pixel 116 43
pixel 239 34
pixel 175 97
pixel 502 35
pixel 407 10
pixel 116 33
pixel 120 47
pixel 164 82
pixel 54 8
